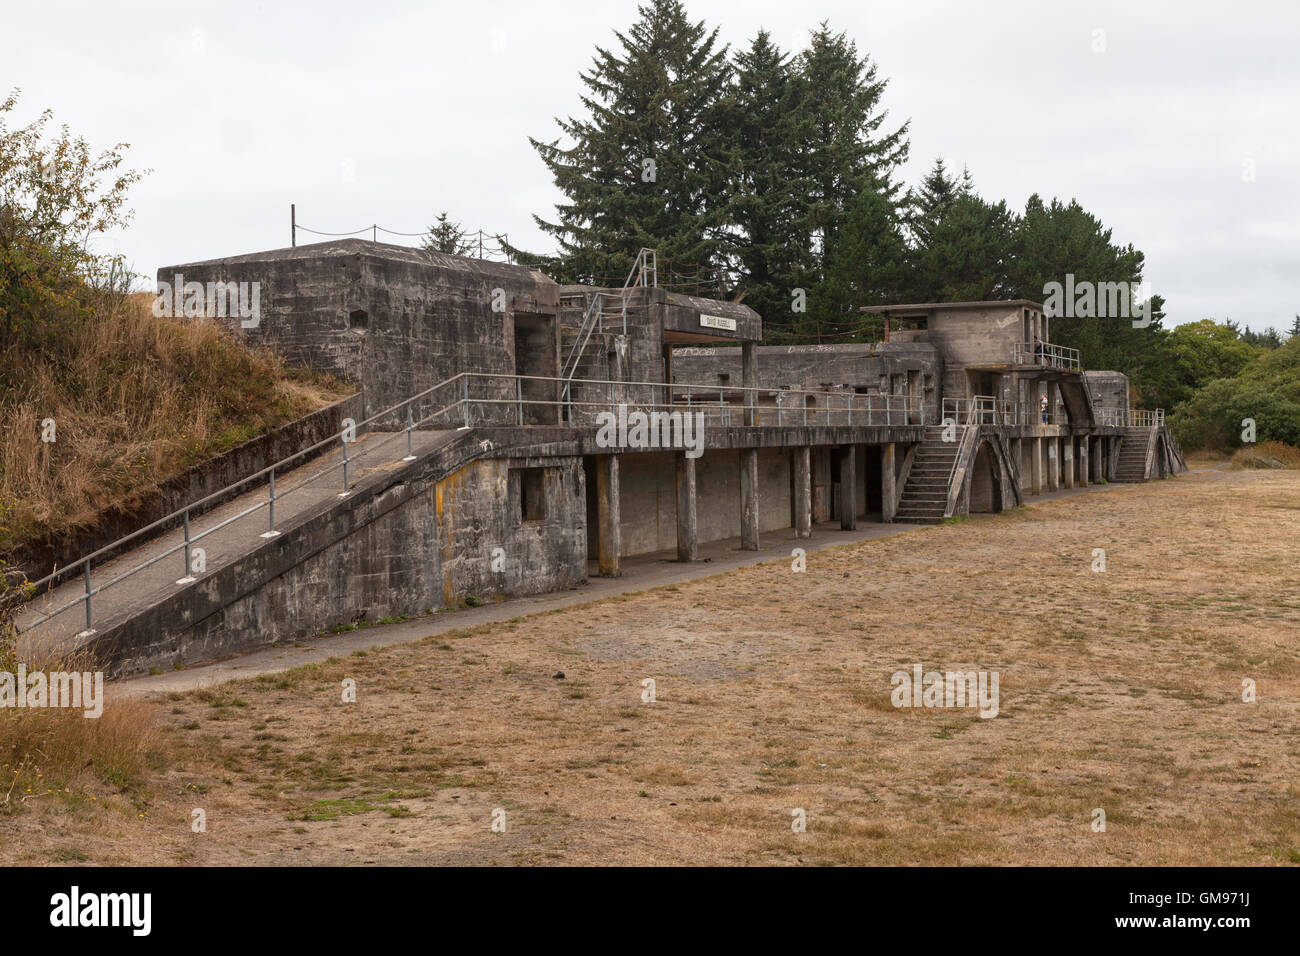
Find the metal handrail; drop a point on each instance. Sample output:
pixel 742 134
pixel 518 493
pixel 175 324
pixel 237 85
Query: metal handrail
pixel 647 260
pixel 906 405
pixel 1041 353
pixel 1124 417
pixel 981 410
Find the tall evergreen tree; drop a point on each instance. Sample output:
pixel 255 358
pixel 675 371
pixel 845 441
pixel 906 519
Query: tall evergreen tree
pixel 869 264
pixel 931 202
pixel 1057 239
pixel 844 146
pixel 648 166
pixel 768 196
pixel 967 253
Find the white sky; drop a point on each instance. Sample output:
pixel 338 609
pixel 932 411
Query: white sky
pixel 389 112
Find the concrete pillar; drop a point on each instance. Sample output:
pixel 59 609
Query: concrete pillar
pixel 749 379
pixel 1084 477
pixel 687 525
pixel 803 492
pixel 888 483
pixel 1067 460
pixel 848 488
pixel 1054 464
pixel 749 499
pixel 608 515
pixel 1096 458
pixel 1053 396
pixel 1037 477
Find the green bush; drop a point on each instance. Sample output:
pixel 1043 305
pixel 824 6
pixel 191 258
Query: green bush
pixel 1267 390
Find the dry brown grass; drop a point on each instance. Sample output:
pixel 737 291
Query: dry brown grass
pixel 1119 690
pixel 1268 454
pixel 135 399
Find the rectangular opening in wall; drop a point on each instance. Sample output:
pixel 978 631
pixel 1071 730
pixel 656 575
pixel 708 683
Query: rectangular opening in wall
pixel 531 483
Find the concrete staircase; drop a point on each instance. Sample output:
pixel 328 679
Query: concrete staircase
pixel 1133 450
pixel 925 496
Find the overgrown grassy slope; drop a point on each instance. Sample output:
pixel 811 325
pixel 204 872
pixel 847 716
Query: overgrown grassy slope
pixel 134 400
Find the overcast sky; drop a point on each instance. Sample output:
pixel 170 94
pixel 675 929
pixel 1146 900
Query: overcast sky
pixel 1182 135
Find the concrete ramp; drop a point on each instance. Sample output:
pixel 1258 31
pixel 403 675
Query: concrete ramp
pixel 159 616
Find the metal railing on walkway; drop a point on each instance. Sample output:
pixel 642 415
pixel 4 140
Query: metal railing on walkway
pixel 1049 356
pixel 474 399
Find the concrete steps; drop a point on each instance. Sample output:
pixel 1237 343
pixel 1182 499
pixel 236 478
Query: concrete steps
pixel 1131 464
pixel 925 496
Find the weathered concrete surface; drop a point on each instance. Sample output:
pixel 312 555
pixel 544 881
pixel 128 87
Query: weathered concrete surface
pixel 488 546
pixel 395 319
pixel 376 552
pixel 609 515
pixel 882 368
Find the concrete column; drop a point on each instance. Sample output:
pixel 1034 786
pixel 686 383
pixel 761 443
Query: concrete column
pixel 1036 449
pixel 848 488
pixel 1067 460
pixel 1053 397
pixel 803 492
pixel 1084 477
pixel 608 515
pixel 749 499
pixel 749 378
pixel 888 483
pixel 687 525
pixel 1054 464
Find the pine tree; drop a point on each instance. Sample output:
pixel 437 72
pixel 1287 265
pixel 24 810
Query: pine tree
pixel 869 265
pixel 1295 326
pixel 932 201
pixel 447 236
pixel 648 166
pixel 1056 239
pixel 768 195
pixel 967 255
pixel 843 145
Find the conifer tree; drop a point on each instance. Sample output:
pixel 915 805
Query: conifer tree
pixel 768 194
pixel 447 236
pixel 844 146
pixel 648 165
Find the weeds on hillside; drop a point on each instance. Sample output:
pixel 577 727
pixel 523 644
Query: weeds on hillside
pixel 1268 454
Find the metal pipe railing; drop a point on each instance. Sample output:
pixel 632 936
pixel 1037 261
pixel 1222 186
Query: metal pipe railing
pixel 869 408
pixel 1041 353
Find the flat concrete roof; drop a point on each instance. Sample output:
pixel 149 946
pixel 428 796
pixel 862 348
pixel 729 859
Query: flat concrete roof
pixel 920 307
pixel 382 250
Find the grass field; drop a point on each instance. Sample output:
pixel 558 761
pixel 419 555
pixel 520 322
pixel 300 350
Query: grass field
pixel 1120 690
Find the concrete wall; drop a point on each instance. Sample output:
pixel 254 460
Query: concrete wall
pixel 1108 388
pixel 403 542
pixel 978 336
pixel 395 319
pixel 866 365
pixel 478 510
pixel 649 497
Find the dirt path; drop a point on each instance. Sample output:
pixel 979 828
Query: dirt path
pixel 1119 690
